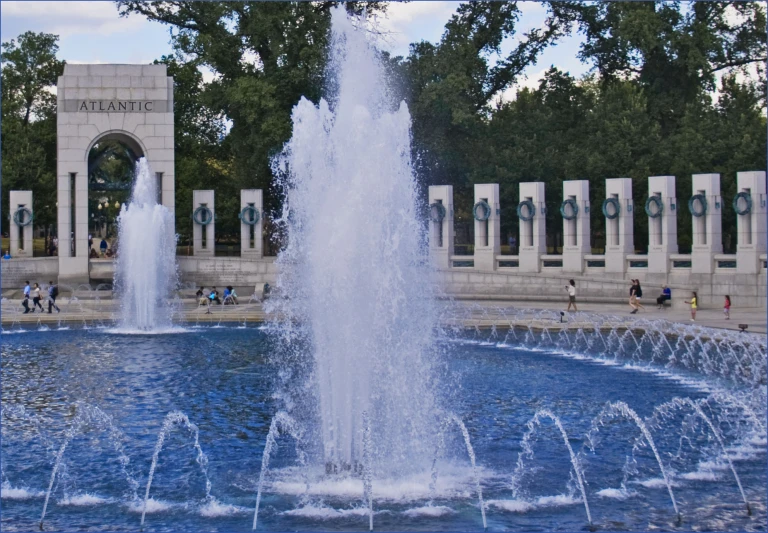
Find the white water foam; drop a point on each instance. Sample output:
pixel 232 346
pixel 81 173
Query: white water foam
pixel 654 483
pixel 153 506
pixel 524 506
pixel 326 513
pixel 700 475
pixel 7 492
pixel 215 508
pixel 429 511
pixel 616 494
pixel 84 500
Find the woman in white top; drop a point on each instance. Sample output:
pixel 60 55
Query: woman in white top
pixel 36 298
pixel 571 288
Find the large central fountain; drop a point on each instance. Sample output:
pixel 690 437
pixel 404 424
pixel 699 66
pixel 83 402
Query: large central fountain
pixel 353 271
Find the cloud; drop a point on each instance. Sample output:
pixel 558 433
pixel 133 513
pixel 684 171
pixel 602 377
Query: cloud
pixel 406 23
pixel 67 18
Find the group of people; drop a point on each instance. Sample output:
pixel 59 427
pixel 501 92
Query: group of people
pixel 229 296
pixel 106 251
pixel 36 294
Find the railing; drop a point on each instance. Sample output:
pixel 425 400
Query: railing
pixel 725 262
pixel 594 262
pixel 462 261
pixel 507 261
pixel 637 261
pixel 680 261
pixel 551 261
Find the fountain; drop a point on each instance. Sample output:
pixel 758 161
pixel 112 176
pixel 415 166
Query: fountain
pixel 359 290
pixel 340 414
pixel 146 264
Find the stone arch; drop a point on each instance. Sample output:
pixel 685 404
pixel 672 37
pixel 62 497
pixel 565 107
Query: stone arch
pixel 132 104
pixel 123 136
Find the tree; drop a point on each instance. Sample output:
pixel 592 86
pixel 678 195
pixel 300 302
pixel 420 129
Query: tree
pixel 29 71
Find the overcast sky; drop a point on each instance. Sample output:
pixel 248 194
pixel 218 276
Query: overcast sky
pixel 92 32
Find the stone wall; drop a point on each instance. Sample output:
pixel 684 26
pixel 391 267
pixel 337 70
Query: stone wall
pixel 39 269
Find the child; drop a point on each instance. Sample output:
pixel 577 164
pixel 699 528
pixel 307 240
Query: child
pixel 727 307
pixel 693 301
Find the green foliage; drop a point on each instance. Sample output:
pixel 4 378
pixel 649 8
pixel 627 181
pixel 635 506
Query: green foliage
pixel 29 71
pixel 664 97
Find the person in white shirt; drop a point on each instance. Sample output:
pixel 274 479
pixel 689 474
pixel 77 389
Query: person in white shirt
pixel 571 288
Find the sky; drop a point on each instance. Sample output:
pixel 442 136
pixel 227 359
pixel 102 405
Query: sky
pixel 93 32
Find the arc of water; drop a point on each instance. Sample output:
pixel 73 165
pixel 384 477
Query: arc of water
pixel 368 468
pixel 171 419
pixel 85 415
pixel 625 410
pixel 288 425
pixel 579 471
pixel 716 432
pixel 471 453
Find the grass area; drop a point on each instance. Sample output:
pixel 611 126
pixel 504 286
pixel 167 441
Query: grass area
pixel 38 246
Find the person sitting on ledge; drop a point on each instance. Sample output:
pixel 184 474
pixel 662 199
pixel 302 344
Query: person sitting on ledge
pixel 7 255
pixel 214 296
pixel 230 298
pixel 200 295
pixel 93 255
pixel 666 294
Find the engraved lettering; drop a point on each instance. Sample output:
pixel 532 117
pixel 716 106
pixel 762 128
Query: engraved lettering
pixel 111 106
pixel 122 106
pixel 83 106
pixel 148 106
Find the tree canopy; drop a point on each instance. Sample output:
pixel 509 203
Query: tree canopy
pixel 674 88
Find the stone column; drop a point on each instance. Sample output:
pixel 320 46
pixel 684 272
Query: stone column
pixel 200 248
pixel 533 233
pixel 576 234
pixel 441 233
pixel 72 217
pixel 619 231
pixel 21 236
pixel 251 232
pixel 707 229
pixel 487 232
pixel 662 231
pixel 751 227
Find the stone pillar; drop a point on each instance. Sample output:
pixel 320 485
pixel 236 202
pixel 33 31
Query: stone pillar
pixel 533 233
pixel 441 233
pixel 576 234
pixel 619 231
pixel 251 243
pixel 751 227
pixel 200 248
pixel 72 218
pixel 487 232
pixel 662 230
pixel 707 229
pixel 21 236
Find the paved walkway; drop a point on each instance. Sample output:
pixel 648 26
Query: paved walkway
pixel 755 318
pixel 483 313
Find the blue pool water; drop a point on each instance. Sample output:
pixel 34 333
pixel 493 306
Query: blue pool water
pixel 224 381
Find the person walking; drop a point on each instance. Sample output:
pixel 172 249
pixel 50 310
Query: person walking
pixel 90 242
pixel 638 294
pixel 53 293
pixel 633 297
pixel 36 299
pixel 25 300
pixel 694 301
pixel 571 288
pixel 727 307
